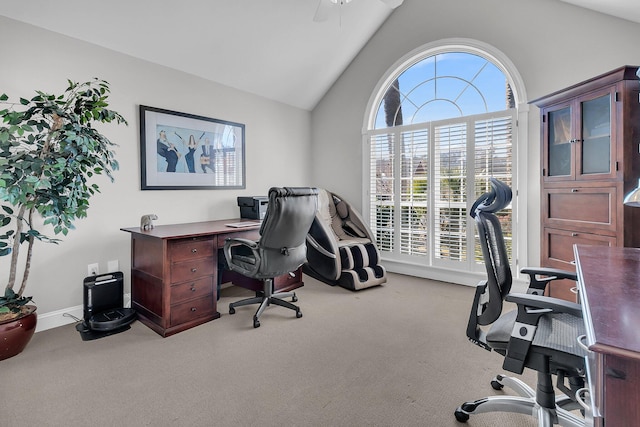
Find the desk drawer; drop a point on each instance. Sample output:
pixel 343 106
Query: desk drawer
pixel 189 270
pixel 193 309
pixel 191 289
pixel 621 376
pixel 190 248
pixel 288 281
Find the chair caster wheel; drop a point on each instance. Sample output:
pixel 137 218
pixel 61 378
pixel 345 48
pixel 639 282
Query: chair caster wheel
pixel 256 323
pixel 461 416
pixel 294 298
pixel 232 310
pixel 496 385
pixel 298 314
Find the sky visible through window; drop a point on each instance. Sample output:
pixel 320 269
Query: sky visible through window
pixel 448 85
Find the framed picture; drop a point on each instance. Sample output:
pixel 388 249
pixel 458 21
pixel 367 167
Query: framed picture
pixel 180 151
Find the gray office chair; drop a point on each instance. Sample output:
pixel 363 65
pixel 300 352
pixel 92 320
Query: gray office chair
pixel 280 250
pixel 541 334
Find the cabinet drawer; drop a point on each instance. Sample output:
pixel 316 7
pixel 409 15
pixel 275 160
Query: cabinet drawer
pixel 589 208
pixel 192 309
pixel 557 246
pixel 191 289
pixel 189 249
pixel 189 270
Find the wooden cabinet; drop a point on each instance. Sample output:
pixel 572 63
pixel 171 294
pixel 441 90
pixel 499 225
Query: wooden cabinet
pixel 174 273
pixel 590 160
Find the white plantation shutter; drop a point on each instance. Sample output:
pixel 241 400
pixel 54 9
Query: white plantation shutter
pixel 423 179
pixel 382 182
pixel 414 170
pixel 493 158
pixel 450 199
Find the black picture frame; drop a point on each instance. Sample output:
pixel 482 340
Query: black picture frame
pixel 181 151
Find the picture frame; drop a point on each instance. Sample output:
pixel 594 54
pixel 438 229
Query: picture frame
pixel 181 151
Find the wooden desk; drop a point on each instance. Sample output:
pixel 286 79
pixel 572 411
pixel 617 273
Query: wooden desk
pixel 174 273
pixel 609 290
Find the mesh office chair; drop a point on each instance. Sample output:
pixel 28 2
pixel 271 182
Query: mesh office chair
pixel 541 334
pixel 280 250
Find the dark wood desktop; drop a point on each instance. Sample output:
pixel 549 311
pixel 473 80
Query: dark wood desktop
pixel 174 272
pixel 609 290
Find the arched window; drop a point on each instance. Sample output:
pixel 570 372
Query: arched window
pixel 439 126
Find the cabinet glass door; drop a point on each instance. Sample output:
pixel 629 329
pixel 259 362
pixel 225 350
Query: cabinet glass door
pixel 560 142
pixel 596 135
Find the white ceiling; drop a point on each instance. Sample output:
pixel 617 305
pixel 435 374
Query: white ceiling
pixel 272 48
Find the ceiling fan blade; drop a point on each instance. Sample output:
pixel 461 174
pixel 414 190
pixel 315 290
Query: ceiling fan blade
pixel 322 11
pixel 392 3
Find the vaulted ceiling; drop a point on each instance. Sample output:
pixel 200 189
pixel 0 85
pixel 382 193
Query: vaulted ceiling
pixel 272 48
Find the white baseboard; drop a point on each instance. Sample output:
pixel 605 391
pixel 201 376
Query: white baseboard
pixel 63 317
pixel 453 276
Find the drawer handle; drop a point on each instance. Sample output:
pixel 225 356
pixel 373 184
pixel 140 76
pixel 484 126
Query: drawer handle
pixel 574 234
pixel 574 190
pixel 194 250
pixel 193 309
pixel 615 373
pixel 193 288
pixel 193 270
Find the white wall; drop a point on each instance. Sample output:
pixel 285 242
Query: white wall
pixel 552 45
pixel 277 151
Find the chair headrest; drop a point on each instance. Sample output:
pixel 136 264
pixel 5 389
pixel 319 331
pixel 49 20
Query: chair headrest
pixel 292 191
pixel 342 209
pixel 493 201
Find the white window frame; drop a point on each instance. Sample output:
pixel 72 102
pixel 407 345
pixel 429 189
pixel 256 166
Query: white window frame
pixel 440 271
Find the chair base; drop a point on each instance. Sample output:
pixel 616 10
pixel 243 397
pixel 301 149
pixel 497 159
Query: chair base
pixel 267 298
pixel 523 404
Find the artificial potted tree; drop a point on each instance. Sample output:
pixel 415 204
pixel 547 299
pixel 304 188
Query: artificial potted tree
pixel 48 153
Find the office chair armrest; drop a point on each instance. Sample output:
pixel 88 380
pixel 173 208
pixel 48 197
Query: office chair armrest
pixel 556 305
pixel 235 241
pixel 314 243
pixel 238 241
pixel 539 283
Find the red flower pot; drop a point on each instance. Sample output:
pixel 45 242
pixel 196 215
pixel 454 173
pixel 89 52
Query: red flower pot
pixel 16 333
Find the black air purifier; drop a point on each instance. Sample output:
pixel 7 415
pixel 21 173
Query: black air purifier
pixel 104 311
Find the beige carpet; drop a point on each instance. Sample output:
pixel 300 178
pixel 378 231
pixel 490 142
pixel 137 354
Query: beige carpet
pixel 394 355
